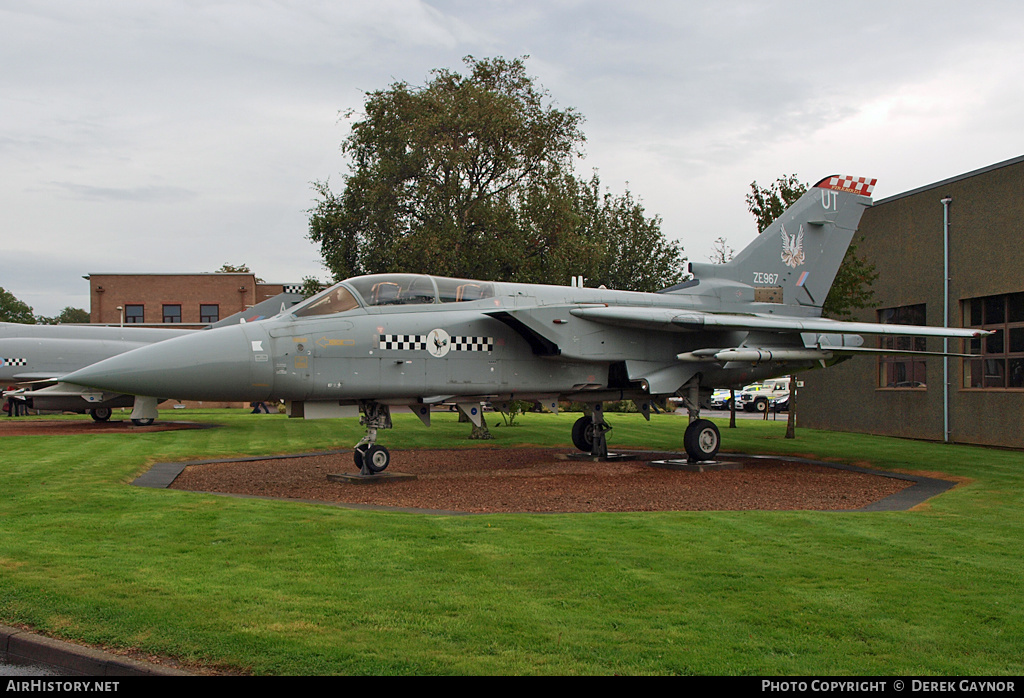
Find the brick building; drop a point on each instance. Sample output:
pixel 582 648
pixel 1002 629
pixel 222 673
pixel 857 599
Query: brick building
pixel 978 400
pixel 177 300
pixel 182 300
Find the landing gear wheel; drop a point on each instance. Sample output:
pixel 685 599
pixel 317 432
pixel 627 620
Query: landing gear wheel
pixel 100 414
pixel 143 422
pixel 583 434
pixel 359 454
pixel 377 459
pixel 702 440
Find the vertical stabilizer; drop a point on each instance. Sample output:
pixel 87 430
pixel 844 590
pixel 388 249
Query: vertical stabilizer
pixel 795 260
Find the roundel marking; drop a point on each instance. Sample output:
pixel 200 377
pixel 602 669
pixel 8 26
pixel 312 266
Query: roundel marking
pixel 438 343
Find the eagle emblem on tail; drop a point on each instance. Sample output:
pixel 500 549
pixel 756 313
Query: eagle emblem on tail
pixel 793 248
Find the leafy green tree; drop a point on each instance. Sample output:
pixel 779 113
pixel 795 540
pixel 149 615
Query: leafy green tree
pixel 768 204
pixel 68 315
pixel 568 227
pixel 851 289
pixel 471 176
pixel 311 286
pixel 14 310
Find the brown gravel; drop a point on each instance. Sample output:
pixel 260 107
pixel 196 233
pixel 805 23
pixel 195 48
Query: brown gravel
pixel 483 480
pixel 486 480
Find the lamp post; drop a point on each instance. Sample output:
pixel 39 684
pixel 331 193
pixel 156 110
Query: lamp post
pixel 946 201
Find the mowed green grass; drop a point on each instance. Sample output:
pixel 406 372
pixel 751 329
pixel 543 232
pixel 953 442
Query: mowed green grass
pixel 287 588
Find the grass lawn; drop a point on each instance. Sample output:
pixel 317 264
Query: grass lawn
pixel 282 588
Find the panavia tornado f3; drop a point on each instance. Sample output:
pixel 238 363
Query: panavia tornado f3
pixel 373 342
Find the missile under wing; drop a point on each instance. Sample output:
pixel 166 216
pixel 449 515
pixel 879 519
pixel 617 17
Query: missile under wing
pixel 373 342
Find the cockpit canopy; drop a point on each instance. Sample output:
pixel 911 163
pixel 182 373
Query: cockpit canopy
pixel 393 289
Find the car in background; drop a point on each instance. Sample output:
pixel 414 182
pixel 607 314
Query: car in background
pixel 760 396
pixel 720 399
pixel 779 404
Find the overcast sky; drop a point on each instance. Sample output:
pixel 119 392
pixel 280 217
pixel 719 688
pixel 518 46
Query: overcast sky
pixel 176 136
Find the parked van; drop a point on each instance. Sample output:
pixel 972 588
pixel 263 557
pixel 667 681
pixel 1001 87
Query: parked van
pixel 760 396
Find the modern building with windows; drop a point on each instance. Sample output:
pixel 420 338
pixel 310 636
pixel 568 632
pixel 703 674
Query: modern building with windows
pixel 978 400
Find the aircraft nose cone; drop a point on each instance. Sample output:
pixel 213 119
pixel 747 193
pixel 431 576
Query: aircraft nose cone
pixel 220 364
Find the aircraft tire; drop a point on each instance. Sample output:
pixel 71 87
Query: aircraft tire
pixel 143 422
pixel 358 455
pixel 100 414
pixel 583 434
pixel 377 459
pixel 702 440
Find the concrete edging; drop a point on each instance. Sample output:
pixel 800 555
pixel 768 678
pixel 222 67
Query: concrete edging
pixel 19 646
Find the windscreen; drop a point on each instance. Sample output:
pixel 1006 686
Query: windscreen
pixel 336 299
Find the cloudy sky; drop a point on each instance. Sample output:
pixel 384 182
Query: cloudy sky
pixel 177 136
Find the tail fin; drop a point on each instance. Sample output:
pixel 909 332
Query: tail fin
pixel 795 260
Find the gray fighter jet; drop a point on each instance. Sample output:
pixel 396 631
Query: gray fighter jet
pixel 373 342
pixel 37 357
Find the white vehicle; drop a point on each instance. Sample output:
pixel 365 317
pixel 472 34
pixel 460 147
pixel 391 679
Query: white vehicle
pixel 758 397
pixel 720 399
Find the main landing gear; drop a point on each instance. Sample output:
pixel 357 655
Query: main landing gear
pixel 701 439
pixel 589 433
pixel 370 458
pixel 100 414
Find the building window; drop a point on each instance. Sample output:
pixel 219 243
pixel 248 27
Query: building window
pixel 134 313
pixel 209 313
pixel 1000 362
pixel 901 371
pixel 172 313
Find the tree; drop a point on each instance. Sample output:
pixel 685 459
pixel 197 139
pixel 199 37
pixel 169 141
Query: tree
pixel 721 252
pixel 768 204
pixel 68 315
pixel 14 310
pixel 471 176
pixel 236 269
pixel 311 286
pixel 851 289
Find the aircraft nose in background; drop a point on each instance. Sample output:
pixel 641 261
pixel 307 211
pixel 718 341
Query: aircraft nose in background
pixel 219 364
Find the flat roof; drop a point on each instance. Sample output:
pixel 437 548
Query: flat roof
pixel 944 182
pixel 170 273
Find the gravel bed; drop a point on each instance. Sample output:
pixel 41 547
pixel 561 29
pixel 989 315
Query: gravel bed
pixel 488 480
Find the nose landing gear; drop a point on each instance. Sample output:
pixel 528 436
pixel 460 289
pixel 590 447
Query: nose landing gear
pixel 370 458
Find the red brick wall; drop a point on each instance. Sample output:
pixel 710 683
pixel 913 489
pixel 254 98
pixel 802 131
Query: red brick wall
pixel 233 293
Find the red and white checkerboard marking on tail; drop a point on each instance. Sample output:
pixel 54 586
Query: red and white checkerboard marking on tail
pixel 853 185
